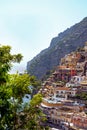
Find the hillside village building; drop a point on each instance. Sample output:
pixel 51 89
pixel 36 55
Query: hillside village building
pixel 84 85
pixel 61 88
pixel 75 81
pixel 79 120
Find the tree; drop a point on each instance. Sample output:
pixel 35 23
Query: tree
pixel 32 115
pixel 12 89
pixel 6 58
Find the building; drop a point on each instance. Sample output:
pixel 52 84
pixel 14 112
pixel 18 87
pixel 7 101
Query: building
pixel 75 81
pixel 79 120
pixel 84 85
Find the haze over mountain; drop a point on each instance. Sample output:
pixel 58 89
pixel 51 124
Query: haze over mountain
pixel 66 42
pixel 17 68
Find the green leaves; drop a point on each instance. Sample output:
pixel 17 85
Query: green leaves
pixel 82 96
pixel 37 99
pixel 12 89
pixel 35 116
pixel 6 58
pixel 17 58
pixel 19 84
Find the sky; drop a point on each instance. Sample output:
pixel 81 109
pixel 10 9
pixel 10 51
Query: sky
pixel 28 26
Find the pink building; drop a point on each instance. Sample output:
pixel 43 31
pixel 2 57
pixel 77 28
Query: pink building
pixel 80 121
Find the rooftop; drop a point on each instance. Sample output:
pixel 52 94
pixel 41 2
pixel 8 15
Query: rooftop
pixel 63 88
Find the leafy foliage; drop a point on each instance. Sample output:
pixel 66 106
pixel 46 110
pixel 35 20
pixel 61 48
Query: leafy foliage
pixel 33 117
pixel 12 90
pixel 82 96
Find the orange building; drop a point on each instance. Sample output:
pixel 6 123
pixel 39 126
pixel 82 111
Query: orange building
pixel 80 121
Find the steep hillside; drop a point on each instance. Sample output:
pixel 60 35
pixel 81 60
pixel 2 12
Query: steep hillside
pixel 66 42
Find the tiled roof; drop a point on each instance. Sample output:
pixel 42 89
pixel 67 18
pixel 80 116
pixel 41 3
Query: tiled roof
pixel 63 88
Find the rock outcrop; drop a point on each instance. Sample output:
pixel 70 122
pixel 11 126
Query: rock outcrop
pixel 66 42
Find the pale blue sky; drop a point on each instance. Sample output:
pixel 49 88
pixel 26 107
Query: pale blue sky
pixel 29 25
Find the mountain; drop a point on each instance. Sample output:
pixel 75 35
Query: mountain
pixel 69 40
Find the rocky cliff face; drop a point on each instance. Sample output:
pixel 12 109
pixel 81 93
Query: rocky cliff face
pixel 66 42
